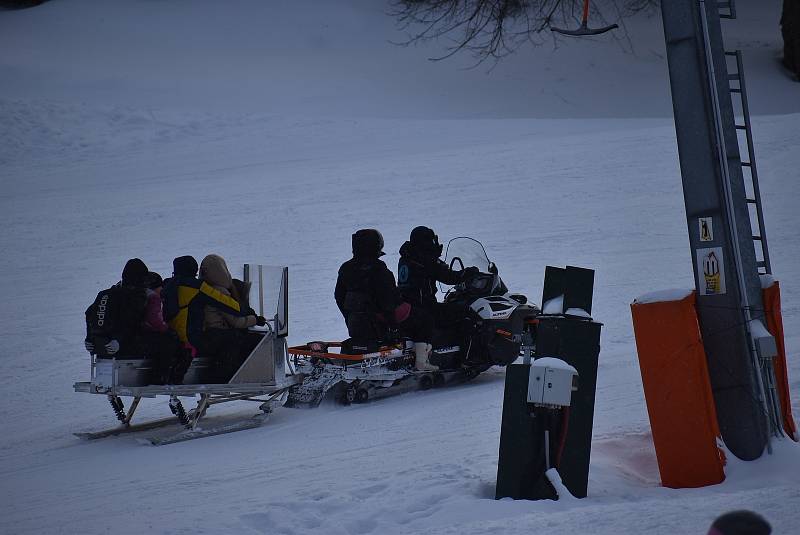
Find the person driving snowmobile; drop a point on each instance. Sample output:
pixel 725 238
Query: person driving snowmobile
pixel 370 302
pixel 419 268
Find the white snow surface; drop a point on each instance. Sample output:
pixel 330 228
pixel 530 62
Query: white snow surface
pixel 269 132
pixel 555 363
pixel 675 294
pixel 577 312
pixel 767 281
pixel 554 305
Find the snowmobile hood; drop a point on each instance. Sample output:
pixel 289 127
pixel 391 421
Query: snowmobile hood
pixel 214 270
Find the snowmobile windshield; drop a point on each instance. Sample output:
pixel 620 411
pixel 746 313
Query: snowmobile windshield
pixel 465 252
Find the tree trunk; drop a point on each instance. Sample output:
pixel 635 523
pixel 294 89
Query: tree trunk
pixel 790 27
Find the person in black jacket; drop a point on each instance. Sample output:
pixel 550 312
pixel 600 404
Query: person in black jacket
pixel 419 269
pixel 113 321
pixel 367 297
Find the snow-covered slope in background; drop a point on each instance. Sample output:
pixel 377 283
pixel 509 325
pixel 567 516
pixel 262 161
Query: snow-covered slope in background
pixel 316 58
pixel 270 131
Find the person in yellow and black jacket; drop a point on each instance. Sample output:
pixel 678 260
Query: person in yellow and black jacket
pixel 185 298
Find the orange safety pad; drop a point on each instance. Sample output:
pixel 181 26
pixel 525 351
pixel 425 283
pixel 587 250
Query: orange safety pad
pixel 678 393
pixel 772 312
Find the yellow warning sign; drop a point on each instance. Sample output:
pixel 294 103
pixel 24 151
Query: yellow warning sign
pixel 711 271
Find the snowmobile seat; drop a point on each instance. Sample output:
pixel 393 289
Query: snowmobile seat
pixel 360 347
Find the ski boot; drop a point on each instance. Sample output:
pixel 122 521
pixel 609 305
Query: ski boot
pixel 422 352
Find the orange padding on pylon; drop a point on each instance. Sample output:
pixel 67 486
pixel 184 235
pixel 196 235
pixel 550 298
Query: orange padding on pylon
pixel 772 312
pixel 678 393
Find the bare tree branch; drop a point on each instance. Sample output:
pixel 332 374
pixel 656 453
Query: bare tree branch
pixel 493 29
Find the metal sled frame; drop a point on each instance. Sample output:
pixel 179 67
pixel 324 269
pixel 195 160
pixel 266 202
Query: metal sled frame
pixel 261 378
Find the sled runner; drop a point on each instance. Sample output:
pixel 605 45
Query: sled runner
pixel 261 378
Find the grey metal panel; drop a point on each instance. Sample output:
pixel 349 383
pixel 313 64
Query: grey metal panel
pixel 134 372
pixel 722 320
pixel 259 367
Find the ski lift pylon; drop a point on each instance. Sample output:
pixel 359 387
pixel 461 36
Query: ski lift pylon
pixel 584 27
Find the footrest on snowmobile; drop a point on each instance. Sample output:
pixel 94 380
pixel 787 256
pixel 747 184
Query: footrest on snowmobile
pixel 320 350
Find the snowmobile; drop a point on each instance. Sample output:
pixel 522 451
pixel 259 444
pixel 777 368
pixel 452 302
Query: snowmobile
pixel 261 378
pixel 482 325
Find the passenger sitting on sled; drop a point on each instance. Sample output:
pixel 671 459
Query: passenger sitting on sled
pixel 114 320
pixel 225 336
pixel 419 269
pixel 159 340
pixel 367 297
pixel 185 299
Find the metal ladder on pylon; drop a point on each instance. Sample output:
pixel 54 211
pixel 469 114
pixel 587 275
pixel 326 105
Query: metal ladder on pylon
pixel 736 84
pixel 737 87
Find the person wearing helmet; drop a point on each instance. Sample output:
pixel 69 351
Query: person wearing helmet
pixel 368 298
pixel 419 268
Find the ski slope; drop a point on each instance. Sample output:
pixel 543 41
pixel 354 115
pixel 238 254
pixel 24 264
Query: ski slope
pixel 269 132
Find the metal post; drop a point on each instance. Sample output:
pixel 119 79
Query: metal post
pixel 200 410
pixel 718 220
pixel 731 222
pixel 131 410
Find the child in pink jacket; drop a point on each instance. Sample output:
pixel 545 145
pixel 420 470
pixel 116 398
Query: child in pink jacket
pixel 153 311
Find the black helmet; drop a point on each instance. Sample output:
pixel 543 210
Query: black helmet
pixel 426 241
pixel 368 242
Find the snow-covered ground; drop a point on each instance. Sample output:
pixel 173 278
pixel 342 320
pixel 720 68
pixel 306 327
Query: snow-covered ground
pixel 269 132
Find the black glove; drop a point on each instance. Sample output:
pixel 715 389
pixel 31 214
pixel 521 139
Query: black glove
pixel 261 321
pixel 89 346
